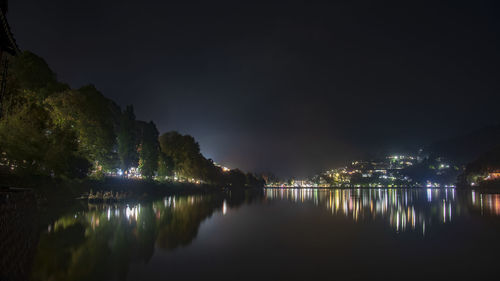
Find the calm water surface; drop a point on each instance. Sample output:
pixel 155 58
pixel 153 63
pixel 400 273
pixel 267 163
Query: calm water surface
pixel 280 234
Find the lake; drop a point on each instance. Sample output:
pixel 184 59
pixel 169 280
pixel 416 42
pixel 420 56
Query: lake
pixel 279 234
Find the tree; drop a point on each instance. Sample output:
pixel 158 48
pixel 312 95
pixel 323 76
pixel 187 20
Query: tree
pixel 48 128
pixel 31 72
pixel 184 152
pixel 165 165
pixel 31 140
pixel 211 173
pixel 269 178
pixel 254 181
pixel 188 162
pixel 87 112
pixel 126 138
pixel 63 158
pixel 148 149
pixel 236 178
pixel 46 148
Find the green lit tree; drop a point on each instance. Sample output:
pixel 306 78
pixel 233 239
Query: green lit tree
pixel 148 149
pixel 184 152
pixel 88 113
pixel 126 138
pixel 165 166
pixel 30 139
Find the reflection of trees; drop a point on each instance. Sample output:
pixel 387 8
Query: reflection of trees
pixel 237 198
pixel 75 251
pixel 100 244
pixel 179 226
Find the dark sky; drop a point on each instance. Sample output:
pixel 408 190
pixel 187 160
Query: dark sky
pixel 292 87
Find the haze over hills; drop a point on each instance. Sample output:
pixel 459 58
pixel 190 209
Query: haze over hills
pixel 465 148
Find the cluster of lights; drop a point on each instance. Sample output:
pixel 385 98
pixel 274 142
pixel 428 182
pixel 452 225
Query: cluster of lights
pixel 134 173
pixel 385 173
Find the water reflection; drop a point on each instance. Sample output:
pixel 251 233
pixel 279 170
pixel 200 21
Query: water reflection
pixel 101 241
pixel 489 204
pixel 403 209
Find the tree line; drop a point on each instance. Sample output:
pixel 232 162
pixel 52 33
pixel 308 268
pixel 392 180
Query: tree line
pixel 48 128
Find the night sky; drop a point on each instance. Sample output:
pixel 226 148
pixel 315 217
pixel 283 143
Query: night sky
pixel 292 87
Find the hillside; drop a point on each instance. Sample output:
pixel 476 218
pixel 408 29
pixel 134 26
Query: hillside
pixel 466 148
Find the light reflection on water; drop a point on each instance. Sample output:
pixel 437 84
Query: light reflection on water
pixel 129 213
pixel 103 241
pixel 489 204
pixel 403 209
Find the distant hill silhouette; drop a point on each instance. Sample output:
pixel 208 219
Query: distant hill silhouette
pixel 466 148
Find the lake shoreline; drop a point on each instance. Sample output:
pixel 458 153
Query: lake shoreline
pixel 42 192
pixel 494 189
